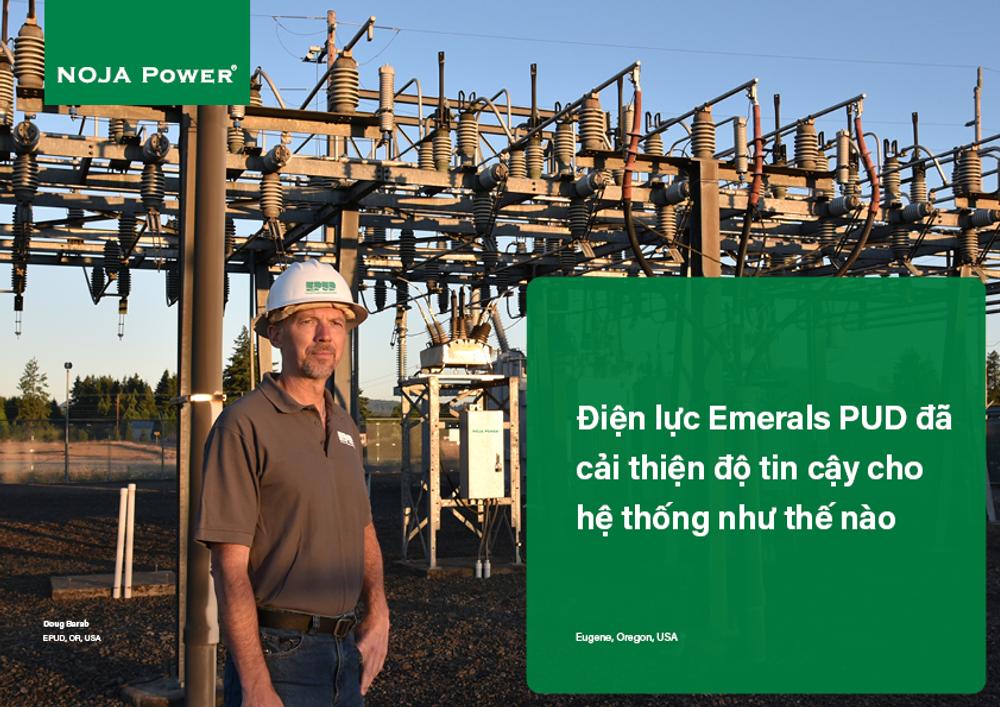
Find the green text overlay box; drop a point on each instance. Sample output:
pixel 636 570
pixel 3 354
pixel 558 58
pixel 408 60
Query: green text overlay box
pixel 184 52
pixel 886 601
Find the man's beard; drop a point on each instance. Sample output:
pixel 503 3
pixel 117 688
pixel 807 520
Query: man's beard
pixel 316 370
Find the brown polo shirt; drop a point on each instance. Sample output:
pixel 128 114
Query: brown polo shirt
pixel 294 493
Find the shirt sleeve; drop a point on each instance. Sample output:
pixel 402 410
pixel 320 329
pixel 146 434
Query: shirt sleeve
pixel 230 497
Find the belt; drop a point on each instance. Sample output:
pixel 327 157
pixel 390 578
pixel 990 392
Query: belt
pixel 338 626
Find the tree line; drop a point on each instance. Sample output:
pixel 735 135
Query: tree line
pixel 106 399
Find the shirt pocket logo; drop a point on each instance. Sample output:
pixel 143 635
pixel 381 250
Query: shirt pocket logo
pixel 345 438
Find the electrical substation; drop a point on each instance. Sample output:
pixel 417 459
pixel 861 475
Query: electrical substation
pixel 441 205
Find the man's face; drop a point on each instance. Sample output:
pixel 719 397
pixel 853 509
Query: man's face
pixel 311 341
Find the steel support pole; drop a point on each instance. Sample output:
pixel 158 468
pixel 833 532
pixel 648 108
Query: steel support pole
pixel 185 268
pixel 433 468
pixel 344 390
pixel 206 378
pixel 705 257
pixel 261 286
pixel 514 434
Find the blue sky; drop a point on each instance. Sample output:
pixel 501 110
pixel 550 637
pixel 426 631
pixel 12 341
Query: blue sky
pixel 912 56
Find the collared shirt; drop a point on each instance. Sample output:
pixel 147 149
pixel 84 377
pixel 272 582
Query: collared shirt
pixel 276 481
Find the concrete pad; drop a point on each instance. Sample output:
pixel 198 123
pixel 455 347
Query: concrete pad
pixel 97 586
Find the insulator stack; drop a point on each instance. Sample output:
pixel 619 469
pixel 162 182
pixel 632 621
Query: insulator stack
pixel 517 164
pixel 116 129
pixel 230 239
pixel 97 283
pixel 153 187
pixel 386 100
pixel 579 217
pixel 442 298
pixel 853 186
pixel 235 139
pixel 703 134
pixel 592 125
pixel 490 252
pixel 822 161
pixel 617 175
pixel 342 93
pixel 482 211
pixel 18 276
pixel 75 217
pixel 918 183
pixel 900 241
pixel 380 290
pixel 537 245
pixel 377 234
pixel 407 248
pixel 124 282
pixel 425 155
pixel 484 298
pixel 522 301
pixel 255 98
pixel 534 157
pixel 653 145
pixel 666 221
pixel 442 148
pixel 891 179
pixel 567 257
pixel 126 233
pixel 272 196
pixel 402 293
pixel 468 137
pixel 968 175
pixel 25 178
pixel 6 90
pixel 968 246
pixel 827 235
pixel 112 258
pixel 225 290
pixel 563 145
pixel 29 55
pixel 19 255
pixel 806 145
pixel 173 284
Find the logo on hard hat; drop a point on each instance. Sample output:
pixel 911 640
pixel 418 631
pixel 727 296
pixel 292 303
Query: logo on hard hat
pixel 320 286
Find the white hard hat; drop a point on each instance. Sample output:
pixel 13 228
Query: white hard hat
pixel 305 283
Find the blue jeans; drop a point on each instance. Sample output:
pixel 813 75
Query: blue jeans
pixel 306 669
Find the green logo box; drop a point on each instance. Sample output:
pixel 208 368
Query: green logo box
pixel 125 53
pixel 890 599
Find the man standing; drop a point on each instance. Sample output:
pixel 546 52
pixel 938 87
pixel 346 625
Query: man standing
pixel 286 515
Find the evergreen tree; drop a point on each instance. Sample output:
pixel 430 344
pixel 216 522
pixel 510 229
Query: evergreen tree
pixel 993 379
pixel 236 377
pixel 34 401
pixel 4 425
pixel 166 391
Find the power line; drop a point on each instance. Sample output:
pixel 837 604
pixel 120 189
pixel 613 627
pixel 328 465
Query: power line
pixel 642 47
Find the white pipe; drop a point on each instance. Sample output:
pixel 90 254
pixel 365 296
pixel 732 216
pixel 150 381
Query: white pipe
pixel 129 537
pixel 116 591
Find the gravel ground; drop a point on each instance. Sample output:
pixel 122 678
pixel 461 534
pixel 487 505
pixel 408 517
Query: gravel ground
pixel 455 641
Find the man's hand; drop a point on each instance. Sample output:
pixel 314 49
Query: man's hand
pixel 373 644
pixel 373 631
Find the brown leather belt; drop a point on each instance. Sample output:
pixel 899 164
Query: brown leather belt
pixel 338 626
